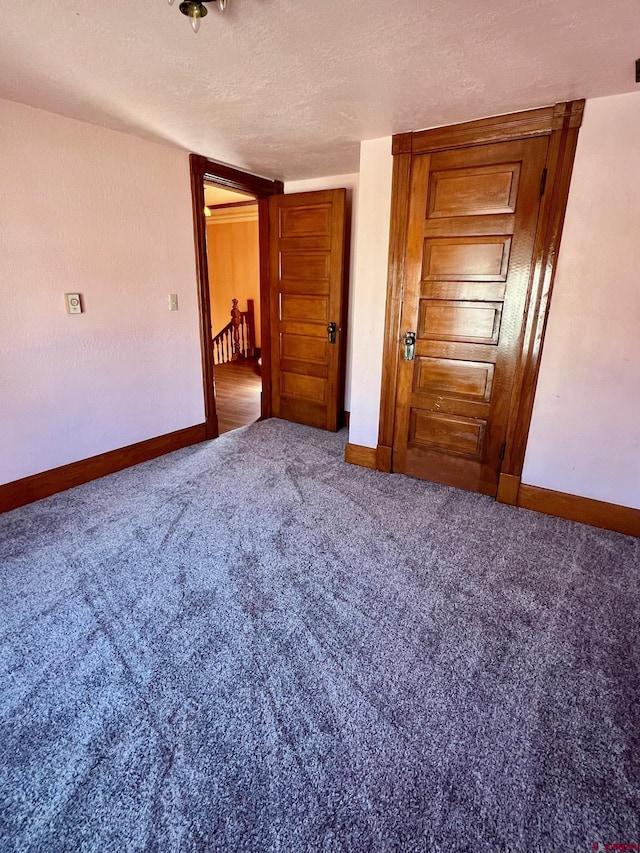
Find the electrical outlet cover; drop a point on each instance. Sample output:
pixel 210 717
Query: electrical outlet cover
pixel 73 303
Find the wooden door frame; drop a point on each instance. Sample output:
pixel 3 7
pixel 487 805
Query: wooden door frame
pixel 561 124
pixel 203 170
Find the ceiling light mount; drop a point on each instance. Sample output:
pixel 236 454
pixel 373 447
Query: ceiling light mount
pixel 196 10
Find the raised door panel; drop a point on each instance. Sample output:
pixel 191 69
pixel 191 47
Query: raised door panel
pixel 472 224
pixel 309 308
pixel 304 348
pixel 466 380
pixel 307 293
pixel 469 322
pixel 451 433
pixel 306 220
pixel 466 258
pixel 305 267
pixel 487 189
pixel 302 387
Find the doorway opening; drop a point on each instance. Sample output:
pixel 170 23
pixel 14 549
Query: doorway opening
pixel 303 255
pixel 233 264
pixel 255 190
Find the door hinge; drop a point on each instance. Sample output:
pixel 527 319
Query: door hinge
pixel 543 181
pixel 503 450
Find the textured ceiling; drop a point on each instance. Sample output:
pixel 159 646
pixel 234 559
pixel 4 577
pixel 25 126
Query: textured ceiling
pixel 288 88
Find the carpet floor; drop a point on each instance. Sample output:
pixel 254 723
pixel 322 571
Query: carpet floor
pixel 249 645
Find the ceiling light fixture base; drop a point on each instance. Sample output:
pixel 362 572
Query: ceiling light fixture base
pixel 196 10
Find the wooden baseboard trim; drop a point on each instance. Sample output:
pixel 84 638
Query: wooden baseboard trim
pixel 383 458
pixel 29 489
pixel 622 519
pixel 357 454
pixel 508 487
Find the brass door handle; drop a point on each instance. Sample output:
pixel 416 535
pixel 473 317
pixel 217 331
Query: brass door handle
pixel 332 328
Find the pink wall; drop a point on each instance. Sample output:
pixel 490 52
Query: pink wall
pixel 84 209
pixel 585 432
pixel 90 210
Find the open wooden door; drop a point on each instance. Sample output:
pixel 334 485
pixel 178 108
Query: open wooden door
pixel 308 300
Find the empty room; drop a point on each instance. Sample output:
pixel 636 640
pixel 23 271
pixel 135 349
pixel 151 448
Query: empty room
pixel 319 434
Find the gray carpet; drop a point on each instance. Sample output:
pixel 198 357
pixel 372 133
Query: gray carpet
pixel 249 645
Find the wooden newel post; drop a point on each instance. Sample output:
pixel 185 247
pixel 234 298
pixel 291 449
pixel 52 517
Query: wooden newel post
pixel 235 322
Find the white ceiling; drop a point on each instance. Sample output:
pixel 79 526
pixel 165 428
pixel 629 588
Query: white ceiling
pixel 288 88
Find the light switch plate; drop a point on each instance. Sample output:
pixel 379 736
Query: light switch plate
pixel 73 303
pixel 173 302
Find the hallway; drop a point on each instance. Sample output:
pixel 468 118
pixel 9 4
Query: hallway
pixel 238 389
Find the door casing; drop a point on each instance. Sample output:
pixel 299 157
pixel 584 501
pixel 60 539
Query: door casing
pixel 561 124
pixel 203 170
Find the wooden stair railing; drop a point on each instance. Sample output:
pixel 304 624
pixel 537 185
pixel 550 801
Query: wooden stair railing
pixel 237 339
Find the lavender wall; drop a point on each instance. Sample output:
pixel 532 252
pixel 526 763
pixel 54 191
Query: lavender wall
pixel 108 215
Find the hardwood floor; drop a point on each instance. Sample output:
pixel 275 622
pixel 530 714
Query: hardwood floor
pixel 238 387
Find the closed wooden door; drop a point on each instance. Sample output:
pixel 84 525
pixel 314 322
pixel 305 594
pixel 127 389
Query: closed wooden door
pixel 472 227
pixel 307 307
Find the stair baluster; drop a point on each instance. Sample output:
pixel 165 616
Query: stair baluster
pixel 236 340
